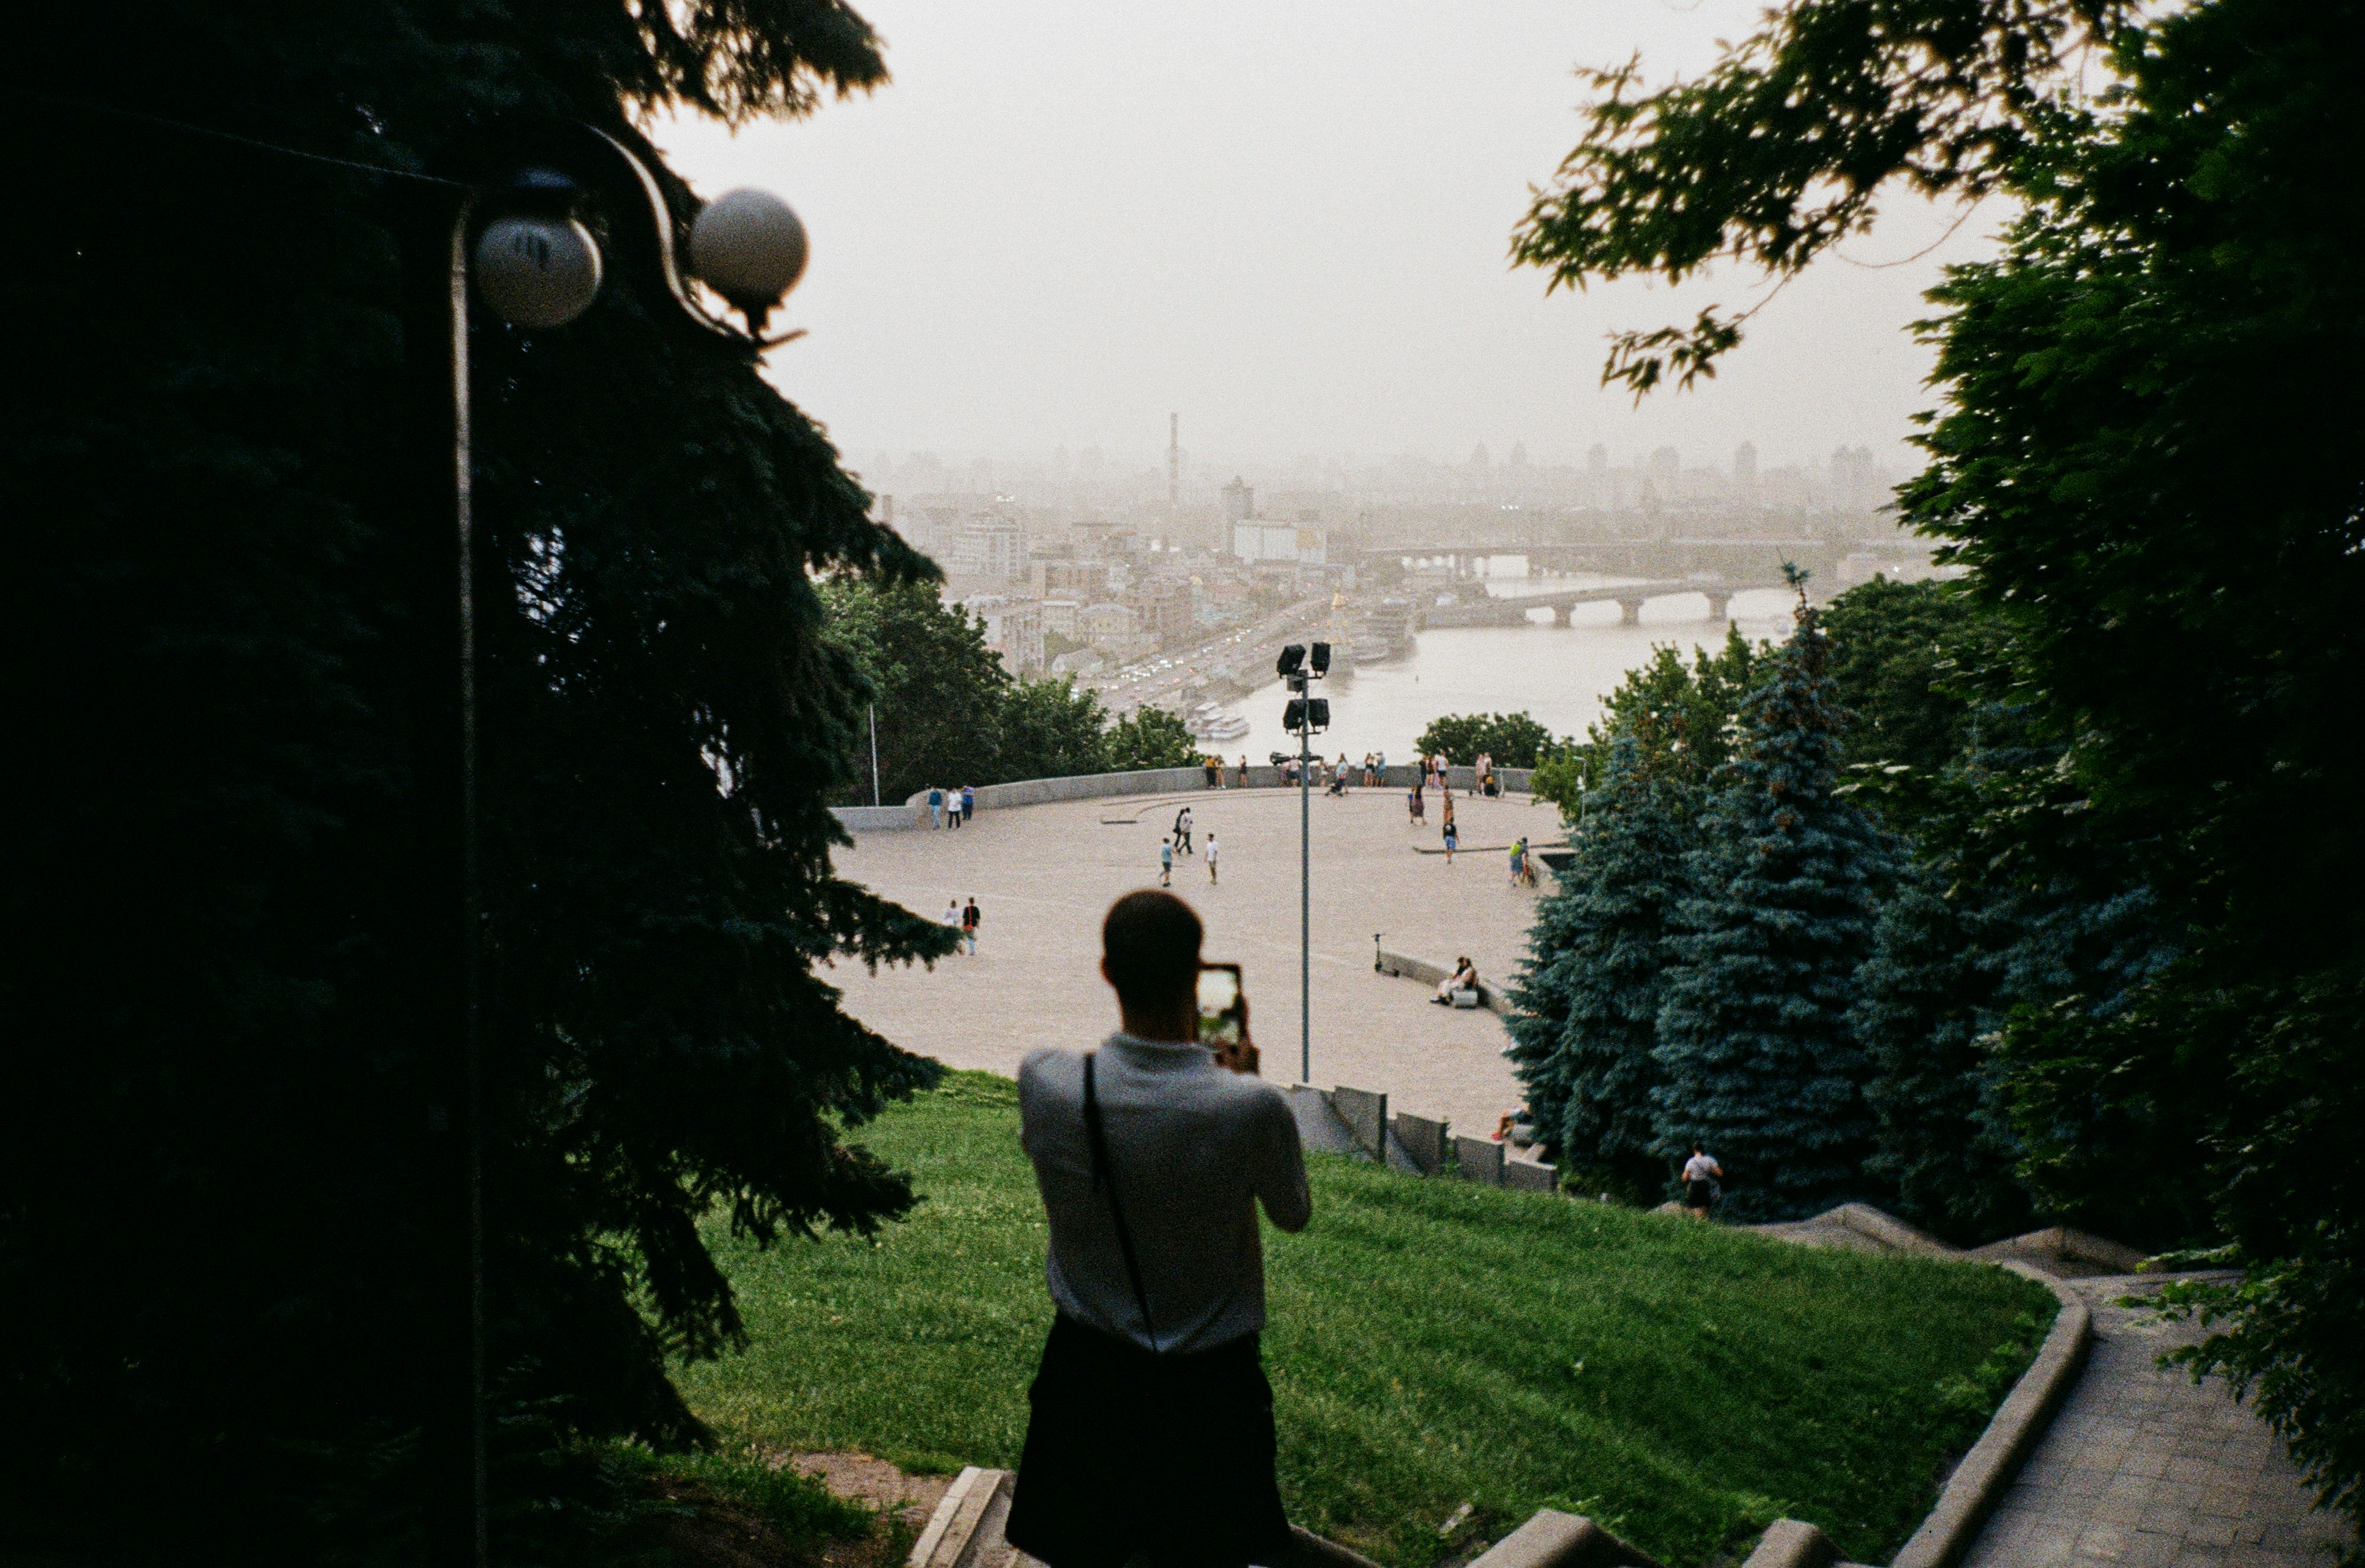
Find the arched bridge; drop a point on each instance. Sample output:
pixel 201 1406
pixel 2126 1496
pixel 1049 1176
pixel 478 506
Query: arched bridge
pixel 1630 597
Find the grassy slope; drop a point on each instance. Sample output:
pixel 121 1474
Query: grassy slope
pixel 1431 1343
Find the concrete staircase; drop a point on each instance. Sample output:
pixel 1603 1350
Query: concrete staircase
pixel 966 1532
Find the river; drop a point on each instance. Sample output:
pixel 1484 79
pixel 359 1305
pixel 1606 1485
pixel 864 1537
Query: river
pixel 1559 675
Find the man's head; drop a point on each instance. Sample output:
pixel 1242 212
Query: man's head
pixel 1149 951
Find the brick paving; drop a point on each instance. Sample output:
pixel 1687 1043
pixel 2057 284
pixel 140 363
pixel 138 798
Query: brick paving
pixel 1045 875
pixel 2143 1467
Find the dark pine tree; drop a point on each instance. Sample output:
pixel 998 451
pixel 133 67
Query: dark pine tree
pixel 1588 997
pixel 1926 1001
pixel 221 1266
pixel 1759 1060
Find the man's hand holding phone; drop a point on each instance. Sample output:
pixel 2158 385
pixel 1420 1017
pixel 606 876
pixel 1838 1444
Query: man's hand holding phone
pixel 1224 1017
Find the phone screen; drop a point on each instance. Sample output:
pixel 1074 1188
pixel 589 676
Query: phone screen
pixel 1219 1004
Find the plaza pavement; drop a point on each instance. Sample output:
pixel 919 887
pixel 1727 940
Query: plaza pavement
pixel 1043 875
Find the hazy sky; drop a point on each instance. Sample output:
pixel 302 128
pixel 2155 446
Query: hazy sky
pixel 1287 221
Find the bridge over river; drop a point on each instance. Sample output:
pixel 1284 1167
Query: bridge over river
pixel 1630 597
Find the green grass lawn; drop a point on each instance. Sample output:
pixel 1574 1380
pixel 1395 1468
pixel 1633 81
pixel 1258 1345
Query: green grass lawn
pixel 1432 1343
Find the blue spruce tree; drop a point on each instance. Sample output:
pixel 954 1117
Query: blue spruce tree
pixel 1589 996
pixel 1926 999
pixel 1753 1043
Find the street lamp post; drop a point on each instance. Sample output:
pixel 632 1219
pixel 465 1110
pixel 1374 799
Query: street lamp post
pixel 1305 716
pixel 518 242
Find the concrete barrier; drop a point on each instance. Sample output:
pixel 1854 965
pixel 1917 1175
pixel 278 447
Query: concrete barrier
pixel 1529 1175
pixel 1319 1127
pixel 1554 1539
pixel 880 819
pixel 1409 968
pixel 1366 1115
pixel 1480 1160
pixel 1422 1140
pixel 914 812
pixel 1793 1543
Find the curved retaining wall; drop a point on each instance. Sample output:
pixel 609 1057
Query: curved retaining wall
pixel 914 812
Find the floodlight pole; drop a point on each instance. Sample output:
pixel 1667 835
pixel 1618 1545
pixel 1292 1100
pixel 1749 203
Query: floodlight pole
pixel 1304 886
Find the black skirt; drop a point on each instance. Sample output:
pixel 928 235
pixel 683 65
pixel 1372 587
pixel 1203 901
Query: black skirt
pixel 1700 1194
pixel 1128 1450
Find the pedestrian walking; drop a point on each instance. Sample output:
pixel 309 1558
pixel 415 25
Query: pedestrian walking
pixel 968 801
pixel 1519 861
pixel 1215 766
pixel 937 806
pixel 951 920
pixel 1165 862
pixel 1151 1428
pixel 1211 855
pixel 1244 771
pixel 1183 831
pixel 1703 1181
pixel 1413 805
pixel 1453 837
pixel 969 918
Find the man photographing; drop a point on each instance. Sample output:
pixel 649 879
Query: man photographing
pixel 1152 1422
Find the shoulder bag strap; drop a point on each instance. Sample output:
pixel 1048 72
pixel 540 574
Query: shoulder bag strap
pixel 1105 1178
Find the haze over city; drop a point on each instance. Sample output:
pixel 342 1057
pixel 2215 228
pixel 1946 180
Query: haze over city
pixel 1059 224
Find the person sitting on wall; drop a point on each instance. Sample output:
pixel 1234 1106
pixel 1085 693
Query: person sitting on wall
pixel 1463 978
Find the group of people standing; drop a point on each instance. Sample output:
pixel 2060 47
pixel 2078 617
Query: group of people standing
pixel 1213 765
pixel 961 804
pixel 1179 841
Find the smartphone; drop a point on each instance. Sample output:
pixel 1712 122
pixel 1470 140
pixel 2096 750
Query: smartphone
pixel 1223 1009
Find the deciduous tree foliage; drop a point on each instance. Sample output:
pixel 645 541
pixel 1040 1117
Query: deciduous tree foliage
pixel 2147 453
pixel 1683 717
pixel 215 1249
pixel 949 714
pixel 1513 740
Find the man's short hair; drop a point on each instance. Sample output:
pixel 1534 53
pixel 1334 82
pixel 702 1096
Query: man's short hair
pixel 1151 941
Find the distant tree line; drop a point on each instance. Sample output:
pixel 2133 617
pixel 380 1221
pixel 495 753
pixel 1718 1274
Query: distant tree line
pixel 948 712
pixel 1513 740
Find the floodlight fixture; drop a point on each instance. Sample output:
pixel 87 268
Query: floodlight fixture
pixel 1321 659
pixel 1318 714
pixel 1293 715
pixel 1292 658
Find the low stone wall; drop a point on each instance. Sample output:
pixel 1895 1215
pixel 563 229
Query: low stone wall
pixel 1433 975
pixel 914 812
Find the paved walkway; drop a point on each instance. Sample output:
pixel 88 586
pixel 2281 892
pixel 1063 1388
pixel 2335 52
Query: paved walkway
pixel 1045 875
pixel 2143 1467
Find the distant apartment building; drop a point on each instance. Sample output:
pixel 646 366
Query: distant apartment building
pixel 1060 618
pixel 1086 582
pixel 991 548
pixel 1013 629
pixel 1109 624
pixel 1260 541
pixel 1239 502
pixel 1161 608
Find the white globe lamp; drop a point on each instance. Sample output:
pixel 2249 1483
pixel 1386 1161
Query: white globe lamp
pixel 749 246
pixel 537 272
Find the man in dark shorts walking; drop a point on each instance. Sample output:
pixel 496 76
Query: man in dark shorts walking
pixel 1151 1429
pixel 1701 1176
